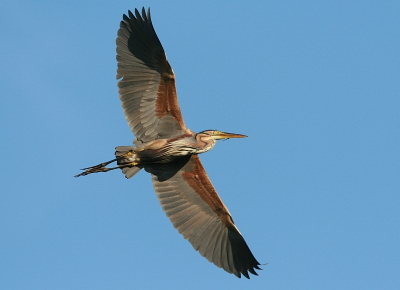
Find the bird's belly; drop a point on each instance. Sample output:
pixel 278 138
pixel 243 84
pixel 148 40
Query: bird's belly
pixel 161 155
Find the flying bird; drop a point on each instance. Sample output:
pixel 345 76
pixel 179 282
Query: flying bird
pixel 167 149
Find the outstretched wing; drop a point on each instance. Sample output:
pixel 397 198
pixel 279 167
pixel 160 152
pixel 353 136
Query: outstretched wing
pixel 190 201
pixel 147 86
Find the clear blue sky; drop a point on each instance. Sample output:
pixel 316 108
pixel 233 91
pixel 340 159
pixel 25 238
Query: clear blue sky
pixel 314 189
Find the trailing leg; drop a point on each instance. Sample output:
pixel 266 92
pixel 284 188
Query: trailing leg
pixel 97 168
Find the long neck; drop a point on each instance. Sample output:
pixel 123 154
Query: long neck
pixel 205 143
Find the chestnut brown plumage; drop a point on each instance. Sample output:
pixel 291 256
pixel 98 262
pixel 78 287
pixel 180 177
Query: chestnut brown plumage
pixel 167 149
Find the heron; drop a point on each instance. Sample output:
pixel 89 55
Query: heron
pixel 168 150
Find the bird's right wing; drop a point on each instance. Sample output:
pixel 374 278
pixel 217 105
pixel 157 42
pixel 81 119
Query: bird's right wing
pixel 147 86
pixel 193 206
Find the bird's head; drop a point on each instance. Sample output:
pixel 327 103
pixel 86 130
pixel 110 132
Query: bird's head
pixel 217 135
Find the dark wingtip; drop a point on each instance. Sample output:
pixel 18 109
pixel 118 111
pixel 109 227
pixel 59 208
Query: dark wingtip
pixel 137 13
pixel 251 270
pixel 246 274
pixel 148 14
pixel 144 16
pixel 243 258
pixel 137 16
pixel 131 16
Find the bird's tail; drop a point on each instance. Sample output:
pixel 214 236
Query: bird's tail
pixel 127 160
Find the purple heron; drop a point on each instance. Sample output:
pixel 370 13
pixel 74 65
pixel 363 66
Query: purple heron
pixel 167 149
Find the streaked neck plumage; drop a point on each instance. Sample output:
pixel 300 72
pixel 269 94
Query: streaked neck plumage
pixel 205 142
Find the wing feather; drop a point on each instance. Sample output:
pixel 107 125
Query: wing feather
pixel 147 81
pixel 205 250
pixel 196 211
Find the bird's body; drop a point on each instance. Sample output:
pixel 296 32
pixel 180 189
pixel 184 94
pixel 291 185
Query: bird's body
pixel 162 150
pixel 167 149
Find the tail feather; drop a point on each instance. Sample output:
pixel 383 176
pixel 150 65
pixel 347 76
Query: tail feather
pixel 130 171
pixel 122 150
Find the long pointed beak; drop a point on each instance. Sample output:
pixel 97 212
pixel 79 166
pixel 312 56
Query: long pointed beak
pixel 224 135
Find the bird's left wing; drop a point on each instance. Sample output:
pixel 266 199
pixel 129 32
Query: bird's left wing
pixel 147 86
pixel 193 206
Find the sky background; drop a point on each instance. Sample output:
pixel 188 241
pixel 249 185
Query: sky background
pixel 314 189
